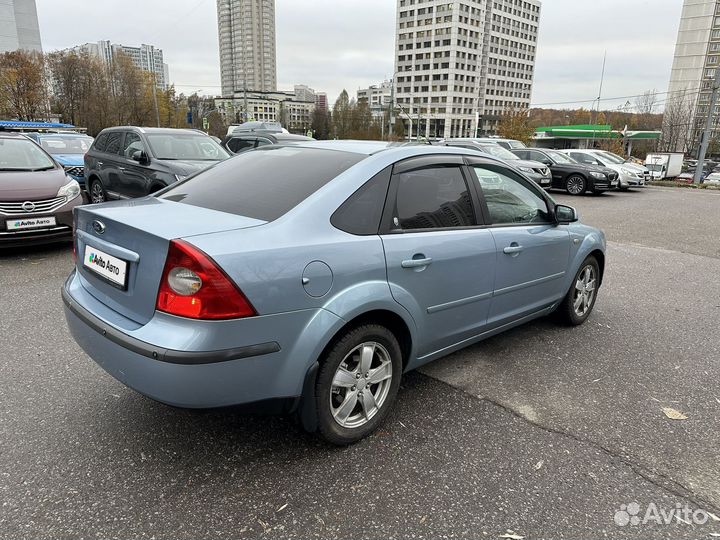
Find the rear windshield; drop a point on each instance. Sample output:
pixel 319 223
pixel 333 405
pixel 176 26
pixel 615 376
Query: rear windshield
pixel 263 184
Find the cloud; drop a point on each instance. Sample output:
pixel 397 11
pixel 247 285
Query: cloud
pixel 335 44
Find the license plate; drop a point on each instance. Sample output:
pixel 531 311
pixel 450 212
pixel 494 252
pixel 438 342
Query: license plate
pixel 106 266
pixel 30 223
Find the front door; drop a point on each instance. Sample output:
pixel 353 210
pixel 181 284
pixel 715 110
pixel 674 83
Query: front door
pixel 440 259
pixel 533 252
pixel 135 176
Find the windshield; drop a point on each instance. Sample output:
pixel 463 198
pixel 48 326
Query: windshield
pixel 558 157
pixel 185 146
pixel 612 158
pixel 656 167
pixel 66 145
pixel 498 151
pixel 23 155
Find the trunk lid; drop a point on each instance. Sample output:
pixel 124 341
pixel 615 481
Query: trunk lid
pixel 134 236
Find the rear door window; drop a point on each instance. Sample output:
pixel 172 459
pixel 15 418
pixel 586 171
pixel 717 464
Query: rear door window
pixel 263 184
pixel 101 142
pixel 114 142
pixel 435 197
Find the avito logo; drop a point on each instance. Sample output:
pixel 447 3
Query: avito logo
pixel 105 265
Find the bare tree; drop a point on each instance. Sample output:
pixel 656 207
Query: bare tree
pixel 647 103
pixel 677 128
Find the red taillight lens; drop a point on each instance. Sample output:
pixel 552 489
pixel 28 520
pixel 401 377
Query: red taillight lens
pixel 193 286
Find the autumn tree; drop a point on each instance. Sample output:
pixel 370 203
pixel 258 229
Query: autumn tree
pixel 23 86
pixel 321 124
pixel 515 124
pixel 342 116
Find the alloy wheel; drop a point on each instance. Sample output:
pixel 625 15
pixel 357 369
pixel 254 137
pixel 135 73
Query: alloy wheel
pixel 361 384
pixel 96 193
pixel 575 185
pixel 584 294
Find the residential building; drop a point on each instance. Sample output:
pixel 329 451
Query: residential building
pixel 461 64
pixel 378 97
pixel 304 93
pixel 146 57
pixel 19 28
pixel 321 101
pixel 246 34
pixel 697 53
pixel 285 107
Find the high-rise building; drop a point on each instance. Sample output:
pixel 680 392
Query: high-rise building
pixel 19 28
pixel 697 55
pixel 459 65
pixel 321 101
pixel 246 32
pixel 146 57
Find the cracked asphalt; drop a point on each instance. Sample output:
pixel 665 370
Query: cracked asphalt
pixel 543 432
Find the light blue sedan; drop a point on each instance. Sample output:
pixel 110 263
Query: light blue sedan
pixel 310 278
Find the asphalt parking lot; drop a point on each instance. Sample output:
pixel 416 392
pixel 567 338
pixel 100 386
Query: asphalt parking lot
pixel 543 432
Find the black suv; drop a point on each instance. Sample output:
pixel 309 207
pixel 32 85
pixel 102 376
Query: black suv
pixel 575 178
pixel 255 134
pixel 126 162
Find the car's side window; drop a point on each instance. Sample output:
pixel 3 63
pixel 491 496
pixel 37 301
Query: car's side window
pixel 100 142
pixel 361 213
pixel 509 198
pixel 536 156
pixel 263 142
pixel 237 145
pixel 522 154
pixel 132 144
pixel 584 158
pixel 114 142
pixel 434 197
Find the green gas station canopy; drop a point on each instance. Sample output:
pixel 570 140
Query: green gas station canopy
pixel 589 131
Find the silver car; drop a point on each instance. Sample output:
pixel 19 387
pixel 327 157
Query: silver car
pixel 309 278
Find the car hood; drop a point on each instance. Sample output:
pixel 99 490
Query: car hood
pixel 634 167
pixel 70 160
pixel 188 167
pixel 28 186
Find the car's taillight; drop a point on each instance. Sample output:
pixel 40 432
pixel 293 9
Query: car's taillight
pixel 194 286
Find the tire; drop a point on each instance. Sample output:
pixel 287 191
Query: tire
pixel 97 192
pixel 576 185
pixel 344 413
pixel 567 312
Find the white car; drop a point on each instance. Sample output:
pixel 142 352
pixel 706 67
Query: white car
pixel 712 179
pixel 629 174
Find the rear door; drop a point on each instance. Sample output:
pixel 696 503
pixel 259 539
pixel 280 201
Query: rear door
pixel 109 164
pixel 532 251
pixel 440 258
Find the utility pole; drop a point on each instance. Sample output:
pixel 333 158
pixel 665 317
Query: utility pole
pixel 707 134
pixel 391 115
pixel 599 99
pixel 154 90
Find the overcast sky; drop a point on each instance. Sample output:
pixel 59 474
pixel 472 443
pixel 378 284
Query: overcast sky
pixel 335 44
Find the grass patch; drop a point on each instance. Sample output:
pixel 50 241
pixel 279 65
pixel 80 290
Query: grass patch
pixel 671 183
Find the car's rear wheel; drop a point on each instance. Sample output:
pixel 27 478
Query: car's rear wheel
pixel 97 192
pixel 580 299
pixel 575 185
pixel 357 384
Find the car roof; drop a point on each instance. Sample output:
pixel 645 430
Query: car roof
pixel 13 135
pixel 364 147
pixel 162 131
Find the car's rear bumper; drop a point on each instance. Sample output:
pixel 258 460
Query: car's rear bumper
pixel 174 371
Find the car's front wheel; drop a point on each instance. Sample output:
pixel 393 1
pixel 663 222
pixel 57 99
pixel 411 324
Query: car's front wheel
pixel 357 384
pixel 575 185
pixel 97 192
pixel 580 299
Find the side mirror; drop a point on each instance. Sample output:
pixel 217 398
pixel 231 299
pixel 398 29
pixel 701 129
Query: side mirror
pixel 565 214
pixel 140 156
pixel 547 162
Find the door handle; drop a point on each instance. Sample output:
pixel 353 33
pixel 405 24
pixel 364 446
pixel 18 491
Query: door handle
pixel 100 163
pixel 513 249
pixel 416 263
pixel 121 168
